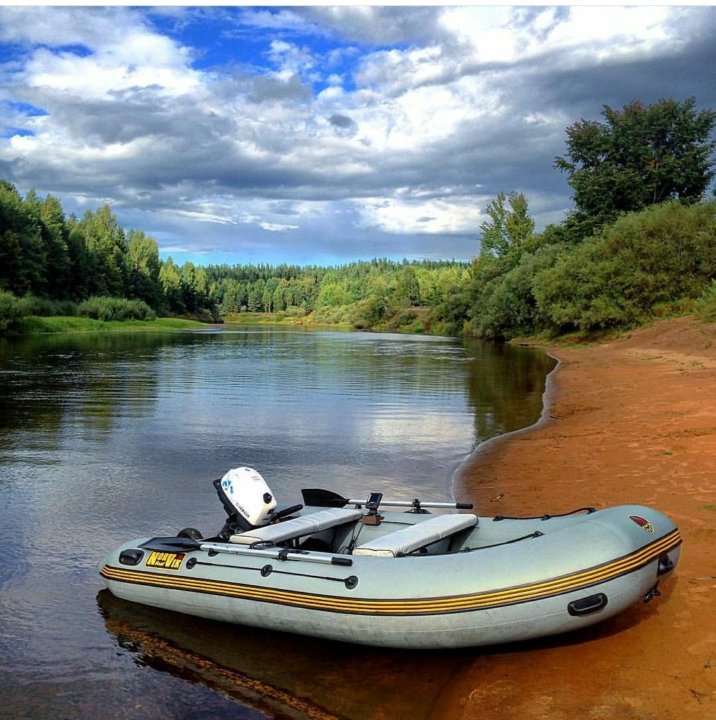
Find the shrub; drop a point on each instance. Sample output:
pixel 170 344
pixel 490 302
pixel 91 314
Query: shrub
pixel 44 307
pixel 369 313
pixel 615 279
pixel 705 306
pixel 507 304
pixel 8 309
pixel 112 308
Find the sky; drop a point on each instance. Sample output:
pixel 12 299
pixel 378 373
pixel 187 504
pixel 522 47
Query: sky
pixel 324 134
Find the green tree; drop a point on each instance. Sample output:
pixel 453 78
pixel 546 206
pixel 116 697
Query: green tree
pixel 509 225
pixel 143 268
pixel 255 296
pixel 56 236
pixel 171 283
pixel 639 156
pixel 267 297
pixel 407 288
pixel 232 295
pixel 23 255
pixel 107 249
pixel 194 287
pixel 80 261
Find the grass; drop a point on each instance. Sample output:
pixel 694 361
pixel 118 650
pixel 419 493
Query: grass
pixel 279 318
pixel 34 324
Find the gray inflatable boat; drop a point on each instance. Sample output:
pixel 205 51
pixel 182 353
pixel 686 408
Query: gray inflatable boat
pixel 393 573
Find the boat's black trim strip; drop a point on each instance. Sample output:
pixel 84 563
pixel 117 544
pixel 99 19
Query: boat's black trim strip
pixel 408 607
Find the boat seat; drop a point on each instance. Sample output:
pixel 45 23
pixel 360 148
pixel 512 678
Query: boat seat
pixel 408 539
pixel 297 527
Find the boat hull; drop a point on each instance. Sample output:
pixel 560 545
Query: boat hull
pixel 561 574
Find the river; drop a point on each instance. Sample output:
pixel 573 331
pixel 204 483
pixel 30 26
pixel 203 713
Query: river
pixel 104 437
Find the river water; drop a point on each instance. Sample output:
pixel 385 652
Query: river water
pixel 107 437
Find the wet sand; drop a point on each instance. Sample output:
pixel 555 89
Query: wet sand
pixel 630 420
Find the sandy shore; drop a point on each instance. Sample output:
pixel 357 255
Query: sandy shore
pixel 632 420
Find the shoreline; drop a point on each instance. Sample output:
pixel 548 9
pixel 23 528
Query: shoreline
pixel 464 475
pixel 629 420
pixel 35 325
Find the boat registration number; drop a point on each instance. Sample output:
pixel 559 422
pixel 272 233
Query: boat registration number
pixel 166 560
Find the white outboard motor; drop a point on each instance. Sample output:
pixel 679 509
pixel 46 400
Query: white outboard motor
pixel 246 496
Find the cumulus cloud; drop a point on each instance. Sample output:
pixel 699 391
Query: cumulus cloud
pixel 325 132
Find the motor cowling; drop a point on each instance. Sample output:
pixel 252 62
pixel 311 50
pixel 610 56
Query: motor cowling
pixel 245 493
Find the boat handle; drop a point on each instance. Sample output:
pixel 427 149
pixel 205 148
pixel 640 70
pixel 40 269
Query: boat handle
pixel 587 605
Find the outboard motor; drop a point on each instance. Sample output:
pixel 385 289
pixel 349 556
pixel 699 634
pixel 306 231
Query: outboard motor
pixel 247 499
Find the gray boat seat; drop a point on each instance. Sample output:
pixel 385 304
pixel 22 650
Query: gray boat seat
pixel 297 527
pixel 408 539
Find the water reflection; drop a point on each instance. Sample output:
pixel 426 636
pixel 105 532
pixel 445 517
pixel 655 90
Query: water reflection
pixel 84 381
pixel 283 674
pixel 509 396
pixel 105 437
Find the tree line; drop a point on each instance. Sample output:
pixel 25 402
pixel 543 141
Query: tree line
pixel 640 241
pixel 54 264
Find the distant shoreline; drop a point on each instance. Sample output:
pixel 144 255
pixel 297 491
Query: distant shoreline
pixel 37 325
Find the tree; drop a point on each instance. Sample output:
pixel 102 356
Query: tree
pixel 80 260
pixel 171 283
pixel 509 226
pixel 23 255
pixel 56 236
pixel 407 289
pixel 143 268
pixel 107 250
pixel 641 155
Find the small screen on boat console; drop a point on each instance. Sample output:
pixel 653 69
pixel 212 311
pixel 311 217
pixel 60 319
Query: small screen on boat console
pixel 374 501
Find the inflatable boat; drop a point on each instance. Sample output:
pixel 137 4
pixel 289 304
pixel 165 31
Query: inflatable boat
pixel 406 574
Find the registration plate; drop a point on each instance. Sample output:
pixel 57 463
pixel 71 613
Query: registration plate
pixel 166 560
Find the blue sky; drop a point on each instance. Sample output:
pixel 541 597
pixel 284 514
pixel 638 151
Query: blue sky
pixel 324 134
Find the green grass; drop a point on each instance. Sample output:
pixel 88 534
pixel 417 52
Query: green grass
pixel 705 306
pixel 279 318
pixel 33 325
pixel 256 318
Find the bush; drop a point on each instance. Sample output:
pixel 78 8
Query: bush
pixel 112 308
pixel 661 255
pixel 44 307
pixel 705 306
pixel 507 305
pixel 8 309
pixel 369 313
pixel 339 315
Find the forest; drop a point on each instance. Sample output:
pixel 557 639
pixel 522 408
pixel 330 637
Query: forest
pixel 639 243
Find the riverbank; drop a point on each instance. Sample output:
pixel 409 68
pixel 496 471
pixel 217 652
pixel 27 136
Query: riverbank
pixel 630 420
pixel 38 325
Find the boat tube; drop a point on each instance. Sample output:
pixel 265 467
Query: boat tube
pixel 354 570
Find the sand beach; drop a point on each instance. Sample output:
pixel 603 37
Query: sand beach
pixel 628 420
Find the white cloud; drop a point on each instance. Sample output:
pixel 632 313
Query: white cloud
pixel 65 26
pixel 395 122
pixel 291 59
pixel 415 215
pixel 138 60
pixel 581 33
pixel 277 227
